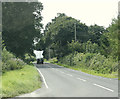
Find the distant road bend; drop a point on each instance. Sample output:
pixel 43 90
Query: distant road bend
pixel 63 82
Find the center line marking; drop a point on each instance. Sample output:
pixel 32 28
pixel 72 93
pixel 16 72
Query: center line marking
pixel 69 75
pixel 104 87
pixel 81 79
pixel 43 78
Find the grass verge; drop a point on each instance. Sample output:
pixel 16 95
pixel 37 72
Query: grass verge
pixel 17 82
pixel 92 72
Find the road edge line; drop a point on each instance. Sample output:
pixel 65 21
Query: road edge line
pixel 43 78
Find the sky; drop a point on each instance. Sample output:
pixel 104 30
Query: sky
pixel 90 12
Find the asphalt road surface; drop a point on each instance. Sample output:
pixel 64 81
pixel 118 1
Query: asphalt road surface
pixel 63 82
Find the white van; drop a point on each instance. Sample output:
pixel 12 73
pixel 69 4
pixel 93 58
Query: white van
pixel 39 56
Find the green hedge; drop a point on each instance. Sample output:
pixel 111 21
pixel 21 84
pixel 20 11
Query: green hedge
pixel 10 62
pixel 53 60
pixel 91 61
pixel 29 58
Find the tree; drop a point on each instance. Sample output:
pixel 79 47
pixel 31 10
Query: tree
pixel 112 36
pixel 109 40
pixel 95 33
pixel 104 45
pixel 90 47
pixel 21 24
pixel 119 37
pixel 75 46
pixel 61 31
pixel 0 51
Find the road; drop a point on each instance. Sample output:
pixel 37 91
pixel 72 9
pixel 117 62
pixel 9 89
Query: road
pixel 63 82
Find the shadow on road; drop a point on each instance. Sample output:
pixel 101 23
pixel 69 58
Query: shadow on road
pixel 47 65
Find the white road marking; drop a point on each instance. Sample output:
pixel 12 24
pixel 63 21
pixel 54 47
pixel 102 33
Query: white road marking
pixel 43 78
pixel 69 75
pixel 104 87
pixel 81 79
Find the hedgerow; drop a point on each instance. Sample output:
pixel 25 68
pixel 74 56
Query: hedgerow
pixel 10 62
pixel 91 61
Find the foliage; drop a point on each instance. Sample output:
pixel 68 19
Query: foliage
pixel 90 47
pixel 22 25
pixel 0 51
pixel 83 47
pixel 91 72
pixel 119 38
pixel 95 33
pixel 104 45
pixel 60 31
pixel 91 61
pixel 17 82
pixel 75 46
pixel 10 62
pixel 29 58
pixel 53 60
pixel 96 48
pixel 112 36
pixel 0 41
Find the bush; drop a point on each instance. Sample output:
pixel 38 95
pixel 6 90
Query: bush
pixel 91 61
pixel 9 62
pixel 6 55
pixel 90 47
pixel 29 58
pixel 53 60
pixel 74 46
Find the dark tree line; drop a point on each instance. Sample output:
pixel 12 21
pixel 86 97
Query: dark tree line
pixel 21 24
pixel 59 37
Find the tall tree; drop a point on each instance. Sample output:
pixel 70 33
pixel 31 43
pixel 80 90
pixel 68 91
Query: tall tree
pixel 109 40
pixel 113 38
pixel 61 31
pixel 95 33
pixel 21 24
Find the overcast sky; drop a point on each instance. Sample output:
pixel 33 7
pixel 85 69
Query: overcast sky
pixel 90 12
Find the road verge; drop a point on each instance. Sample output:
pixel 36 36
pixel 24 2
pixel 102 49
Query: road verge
pixel 18 82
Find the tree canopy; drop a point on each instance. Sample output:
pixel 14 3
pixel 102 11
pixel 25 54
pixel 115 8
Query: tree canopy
pixel 60 31
pixel 21 24
pixel 59 37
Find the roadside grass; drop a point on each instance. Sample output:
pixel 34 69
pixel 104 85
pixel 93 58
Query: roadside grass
pixel 17 82
pixel 92 72
pixel 0 86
